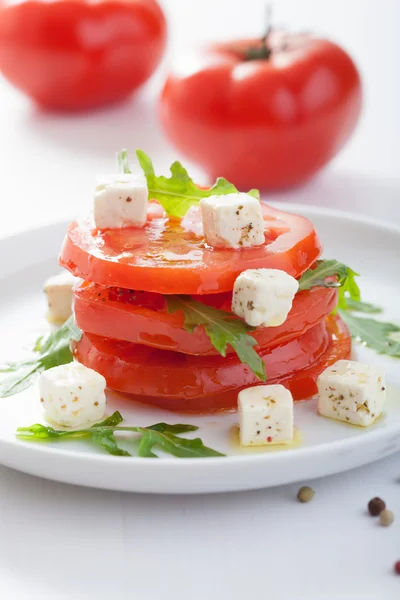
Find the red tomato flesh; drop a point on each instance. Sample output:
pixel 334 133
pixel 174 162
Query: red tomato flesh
pixel 171 257
pixel 176 381
pixel 142 318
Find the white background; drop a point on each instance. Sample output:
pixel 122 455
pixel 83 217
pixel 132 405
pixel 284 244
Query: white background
pixel 57 541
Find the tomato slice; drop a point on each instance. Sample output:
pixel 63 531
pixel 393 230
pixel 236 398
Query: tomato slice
pixel 176 381
pixel 142 318
pixel 171 257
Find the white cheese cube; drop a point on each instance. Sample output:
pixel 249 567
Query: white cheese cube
pixel 72 394
pixel 352 392
pixel 264 297
pixel 266 415
pixel 121 201
pixel 232 221
pixel 58 290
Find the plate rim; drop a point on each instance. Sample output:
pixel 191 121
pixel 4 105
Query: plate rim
pixel 269 457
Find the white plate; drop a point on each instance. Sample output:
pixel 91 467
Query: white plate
pixel 326 447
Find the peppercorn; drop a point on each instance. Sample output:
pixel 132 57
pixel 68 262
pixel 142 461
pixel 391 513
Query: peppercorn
pixel 397 567
pixel 376 506
pixel 305 494
pixel 386 518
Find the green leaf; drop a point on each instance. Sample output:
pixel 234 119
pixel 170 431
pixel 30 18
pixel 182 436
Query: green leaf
pixel 362 307
pixel 348 289
pixel 222 328
pixel 103 434
pixel 112 421
pixel 123 162
pixel 165 428
pixel 38 344
pixel 49 351
pixel 19 381
pixel 332 274
pixel 40 432
pixel 377 335
pixel 146 445
pixel 172 444
pixel 178 193
pixel 107 441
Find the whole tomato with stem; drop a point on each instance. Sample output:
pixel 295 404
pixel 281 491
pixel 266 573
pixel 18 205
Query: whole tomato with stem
pixel 265 113
pixel 77 54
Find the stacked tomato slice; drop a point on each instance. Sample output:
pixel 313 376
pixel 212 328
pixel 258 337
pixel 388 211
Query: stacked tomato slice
pixel 146 352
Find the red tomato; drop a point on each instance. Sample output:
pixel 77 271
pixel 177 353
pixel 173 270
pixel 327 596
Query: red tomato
pixel 176 381
pixel 74 54
pixel 142 318
pixel 171 257
pixel 266 123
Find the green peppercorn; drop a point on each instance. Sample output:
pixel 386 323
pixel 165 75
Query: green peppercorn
pixel 386 518
pixel 305 494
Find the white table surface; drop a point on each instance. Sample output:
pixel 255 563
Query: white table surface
pixel 59 541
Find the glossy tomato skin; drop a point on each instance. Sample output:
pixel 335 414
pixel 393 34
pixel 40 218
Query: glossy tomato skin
pixel 172 257
pixel 142 318
pixel 263 123
pixel 77 54
pixel 176 381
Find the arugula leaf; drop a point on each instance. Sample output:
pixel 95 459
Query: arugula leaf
pixel 146 445
pixel 377 335
pixel 180 447
pixel 222 328
pixel 123 162
pixel 20 380
pixel 363 307
pixel 165 428
pixel 103 434
pixel 178 193
pixel 322 276
pixel 348 289
pixel 107 441
pixel 111 421
pixel 49 351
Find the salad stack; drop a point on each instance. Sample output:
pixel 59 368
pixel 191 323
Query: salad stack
pixel 155 301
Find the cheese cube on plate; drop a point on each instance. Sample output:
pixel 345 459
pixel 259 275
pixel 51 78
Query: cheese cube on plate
pixel 352 392
pixel 121 201
pixel 58 290
pixel 265 415
pixel 263 297
pixel 72 394
pixel 232 221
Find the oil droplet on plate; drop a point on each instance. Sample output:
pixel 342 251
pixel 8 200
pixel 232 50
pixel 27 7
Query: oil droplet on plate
pixel 238 449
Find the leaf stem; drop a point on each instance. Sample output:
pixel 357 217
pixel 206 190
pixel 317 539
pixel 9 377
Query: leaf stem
pixel 264 51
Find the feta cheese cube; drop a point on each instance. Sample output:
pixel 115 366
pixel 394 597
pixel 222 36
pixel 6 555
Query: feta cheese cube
pixel 266 415
pixel 58 290
pixel 264 297
pixel 121 201
pixel 72 394
pixel 232 221
pixel 352 392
